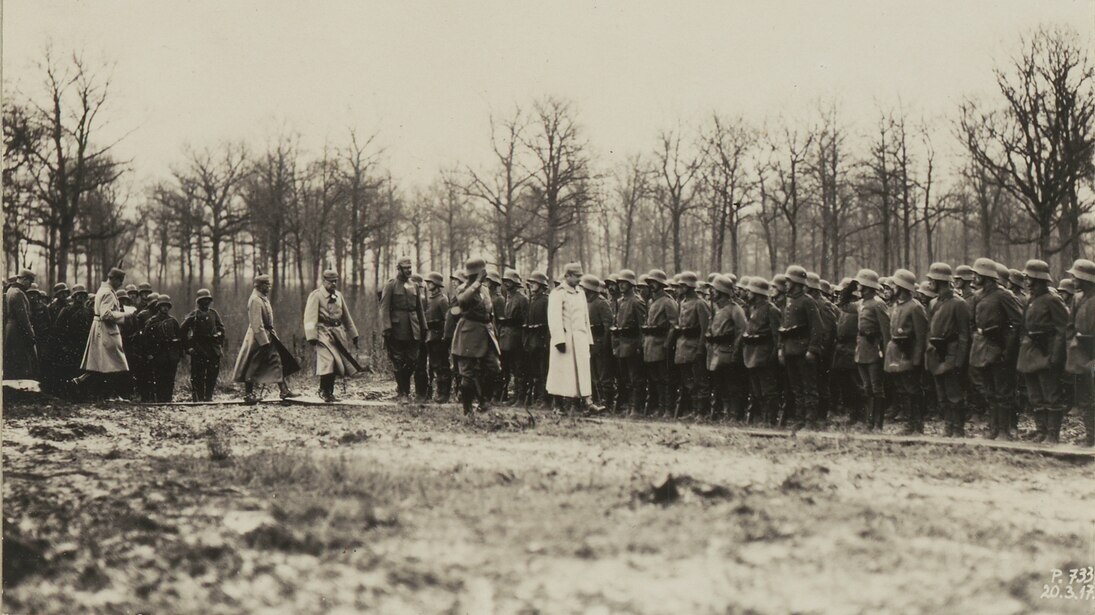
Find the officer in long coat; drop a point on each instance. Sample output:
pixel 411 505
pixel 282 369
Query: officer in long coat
pixel 1042 351
pixel 104 357
pixel 569 373
pixel 600 352
pixel 997 319
pixel 661 317
pixel 20 351
pixel 511 326
pixel 536 338
pixel 801 337
pixel 904 358
pixel 403 325
pixel 690 351
pixel 437 346
pixel 475 344
pixel 627 345
pixel 724 352
pixel 202 332
pixel 872 337
pixel 263 359
pixel 1080 358
pixel 330 329
pixel 948 348
pixel 760 345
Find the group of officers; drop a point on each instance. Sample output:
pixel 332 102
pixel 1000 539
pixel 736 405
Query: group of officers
pixel 780 352
pixel 981 338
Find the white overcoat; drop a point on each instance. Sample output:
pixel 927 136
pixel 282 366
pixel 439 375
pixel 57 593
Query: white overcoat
pixel 327 320
pixel 104 352
pixel 568 321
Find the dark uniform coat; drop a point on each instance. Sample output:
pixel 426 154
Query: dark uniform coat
pixel 761 338
pixel 401 312
pixel 661 316
pixel 202 332
pixel 847 331
pixel 873 332
pixel 723 336
pixel 511 322
pixel 600 322
pixel 536 329
pixel 908 337
pixel 802 329
pixel 20 356
pixel 948 335
pixel 626 334
pixel 997 321
pixel 475 332
pixel 437 313
pixel 1081 343
pixel 695 316
pixel 1042 344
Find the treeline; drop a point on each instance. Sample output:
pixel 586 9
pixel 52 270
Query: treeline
pixel 1008 177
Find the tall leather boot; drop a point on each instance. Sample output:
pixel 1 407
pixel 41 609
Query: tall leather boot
pixel 771 407
pixel 1053 420
pixel 1007 414
pixel 1088 413
pixel 878 412
pixel 948 410
pixel 995 415
pixel 1041 425
pixel 960 410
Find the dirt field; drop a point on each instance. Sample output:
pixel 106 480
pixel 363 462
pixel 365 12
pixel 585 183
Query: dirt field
pixel 227 509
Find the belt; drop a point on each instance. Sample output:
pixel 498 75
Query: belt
pixel 331 323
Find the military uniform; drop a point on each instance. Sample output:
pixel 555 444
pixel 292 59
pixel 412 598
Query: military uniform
pixel 403 322
pixel 627 350
pixel 474 344
pixel 946 356
pixel 661 317
pixel 73 326
pixel 536 346
pixel 1042 358
pixel 724 358
pixel 600 353
pixel 844 376
pixel 872 337
pixel 202 332
pixel 437 345
pixel 511 322
pixel 330 328
pixel 997 321
pixel 164 335
pixel 1080 358
pixel 690 356
pixel 802 333
pixel 20 353
pixel 760 345
pixel 828 314
pixel 904 359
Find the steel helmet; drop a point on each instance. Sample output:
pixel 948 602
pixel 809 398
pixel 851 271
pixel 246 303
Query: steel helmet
pixel 590 282
pixel 796 274
pixel 813 281
pixel 986 267
pixel 1083 269
pixel 964 272
pixel 868 278
pixel 1037 270
pixel 689 279
pixel 903 278
pixel 941 272
pixel 760 286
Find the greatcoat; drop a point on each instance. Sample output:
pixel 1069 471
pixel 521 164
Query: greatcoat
pixel 104 352
pixel 20 359
pixel 263 359
pixel 568 322
pixel 327 320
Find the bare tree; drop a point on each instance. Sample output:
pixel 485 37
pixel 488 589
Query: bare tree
pixel 787 165
pixel 727 144
pixel 633 186
pixel 676 193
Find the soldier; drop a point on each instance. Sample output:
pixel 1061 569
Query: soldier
pixel 872 336
pixel 330 329
pixel 263 359
pixel 996 321
pixel 600 351
pixel 690 352
pixel 73 326
pixel 511 325
pixel 801 338
pixel 627 346
pixel 661 317
pixel 144 292
pixel 1042 351
pixel 452 319
pixel 948 348
pixel 963 283
pixel 1017 284
pixel 474 344
pixel 60 300
pixel 779 291
pixel 403 324
pixel 1067 290
pixel 724 352
pixel 905 351
pixel 423 386
pixel 536 338
pixel 164 336
pixel 202 332
pixel 887 291
pixel 612 284
pixel 39 320
pixel 437 346
pixel 643 289
pixel 828 314
pixel 104 358
pixel 20 353
pixel 1081 344
pixel 139 349
pixel 133 294
pixel 844 380
pixel 760 350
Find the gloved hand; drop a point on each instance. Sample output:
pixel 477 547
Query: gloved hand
pixel 561 347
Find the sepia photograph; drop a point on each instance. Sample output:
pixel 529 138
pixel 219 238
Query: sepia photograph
pixel 588 307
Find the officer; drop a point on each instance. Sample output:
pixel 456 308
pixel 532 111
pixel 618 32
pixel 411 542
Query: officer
pixel 437 347
pixel 536 339
pixel 202 332
pixel 452 318
pixel 996 320
pixel 724 352
pixel 661 316
pixel 600 352
pixel 20 352
pixel 262 358
pixel 1081 344
pixel 761 350
pixel 627 346
pixel 330 329
pixel 104 360
pixel 475 345
pixel 403 325
pixel 904 359
pixel 872 337
pixel 164 335
pixel 511 326
pixel 801 338
pixel 1042 351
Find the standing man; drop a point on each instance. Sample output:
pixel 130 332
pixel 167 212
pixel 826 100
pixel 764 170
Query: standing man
pixel 996 321
pixel 60 300
pixel 760 350
pixel 844 383
pixel 724 353
pixel 690 352
pixel 165 338
pixel 948 349
pixel 600 322
pixel 1042 351
pixel 423 386
pixel 262 359
pixel 144 292
pixel 569 373
pixel 403 323
pixel 20 354
pixel 800 346
pixel 536 338
pixel 202 332
pixel 627 345
pixel 73 326
pixel 104 357
pixel 661 317
pixel 511 324
pixel 1081 345
pixel 905 351
pixel 330 330
pixel 437 345
pixel 872 337
pixel 828 314
pixel 474 344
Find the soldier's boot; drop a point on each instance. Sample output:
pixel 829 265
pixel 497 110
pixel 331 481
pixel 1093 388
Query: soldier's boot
pixel 771 407
pixel 1005 419
pixel 467 396
pixel 285 391
pixel 994 422
pixel 947 408
pixel 1053 421
pixel 249 396
pixel 1088 413
pixel 1041 425
pixel 701 406
pixel 918 409
pixel 638 399
pixel 878 412
pixel 486 392
pixel 665 401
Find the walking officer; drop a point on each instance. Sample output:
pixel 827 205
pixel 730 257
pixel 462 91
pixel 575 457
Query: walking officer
pixel 263 359
pixel 403 325
pixel 202 331
pixel 948 349
pixel 1042 351
pixel 330 329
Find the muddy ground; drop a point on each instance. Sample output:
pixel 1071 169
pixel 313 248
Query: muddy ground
pixel 227 509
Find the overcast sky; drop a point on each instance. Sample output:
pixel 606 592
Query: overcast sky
pixel 426 75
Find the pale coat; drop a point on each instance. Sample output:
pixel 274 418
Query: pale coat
pixel 327 320
pixel 568 322
pixel 262 358
pixel 104 352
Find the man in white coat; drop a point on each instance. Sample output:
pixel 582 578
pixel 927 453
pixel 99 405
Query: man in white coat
pixel 329 328
pixel 568 324
pixel 104 356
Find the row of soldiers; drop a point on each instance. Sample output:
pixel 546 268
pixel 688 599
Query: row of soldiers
pixel 782 352
pixel 48 338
